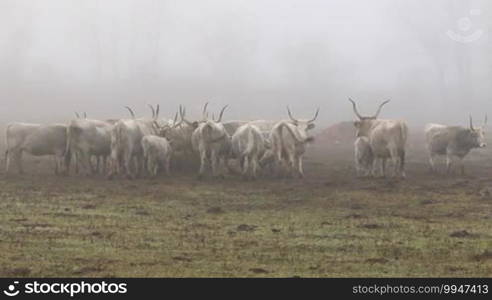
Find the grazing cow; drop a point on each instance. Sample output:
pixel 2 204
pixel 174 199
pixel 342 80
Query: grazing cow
pixel 248 146
pixel 363 156
pixel 387 139
pixel 126 144
pixel 37 140
pixel 157 153
pixel 211 141
pixel 288 143
pixel 453 141
pixel 87 138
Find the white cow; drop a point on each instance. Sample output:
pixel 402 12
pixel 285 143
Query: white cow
pixel 288 143
pixel 37 140
pixel 248 146
pixel 363 156
pixel 211 141
pixel 157 153
pixel 126 145
pixel 387 138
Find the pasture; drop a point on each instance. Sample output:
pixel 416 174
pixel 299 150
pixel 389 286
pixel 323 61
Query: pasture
pixel 328 224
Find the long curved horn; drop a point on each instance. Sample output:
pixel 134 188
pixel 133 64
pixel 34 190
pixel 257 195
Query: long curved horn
pixel 221 113
pixel 85 115
pixel 354 106
pixel 182 112
pixel 77 115
pixel 290 115
pixel 175 118
pixel 152 109
pixel 204 112
pixel 471 123
pixel 315 116
pixel 379 108
pixel 157 111
pixel 485 121
pixel 131 111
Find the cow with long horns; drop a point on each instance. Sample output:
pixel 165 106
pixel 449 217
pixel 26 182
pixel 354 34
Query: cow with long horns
pixel 288 140
pixel 126 144
pixel 453 142
pixel 387 139
pixel 213 143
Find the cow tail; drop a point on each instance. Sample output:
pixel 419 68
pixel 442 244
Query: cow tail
pixel 207 133
pixel 251 142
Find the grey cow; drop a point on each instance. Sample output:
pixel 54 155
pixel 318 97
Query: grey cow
pixel 37 140
pixel 387 139
pixel 453 141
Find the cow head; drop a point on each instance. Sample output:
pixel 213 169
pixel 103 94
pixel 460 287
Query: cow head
pixel 477 137
pixel 194 124
pixel 164 130
pixel 363 124
pixel 303 125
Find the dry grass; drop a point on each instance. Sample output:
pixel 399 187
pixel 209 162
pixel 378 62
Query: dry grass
pixel 328 224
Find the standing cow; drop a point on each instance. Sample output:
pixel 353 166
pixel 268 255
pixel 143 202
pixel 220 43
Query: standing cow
pixel 87 138
pixel 126 144
pixel 288 143
pixel 387 139
pixel 37 140
pixel 212 142
pixel 156 154
pixel 248 146
pixel 453 141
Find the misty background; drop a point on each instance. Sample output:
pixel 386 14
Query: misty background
pixel 432 58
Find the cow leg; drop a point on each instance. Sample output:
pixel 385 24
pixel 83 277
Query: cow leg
pixel 18 162
pixel 300 168
pixel 462 166
pixel 153 169
pixel 383 167
pixel 246 166
pixel 128 166
pixel 448 163
pixel 167 166
pixel 214 161
pixel 254 167
pixel 432 162
pixel 76 159
pixel 104 164
pixel 203 161
pixel 8 155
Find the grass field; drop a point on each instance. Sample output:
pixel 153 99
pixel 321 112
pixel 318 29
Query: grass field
pixel 329 224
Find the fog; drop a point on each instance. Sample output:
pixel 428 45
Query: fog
pixel 432 58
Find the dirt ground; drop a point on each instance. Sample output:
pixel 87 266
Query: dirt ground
pixel 328 224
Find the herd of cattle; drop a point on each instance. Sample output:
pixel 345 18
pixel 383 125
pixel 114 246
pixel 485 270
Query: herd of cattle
pixel 135 147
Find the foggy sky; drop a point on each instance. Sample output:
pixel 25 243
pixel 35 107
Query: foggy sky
pixel 61 56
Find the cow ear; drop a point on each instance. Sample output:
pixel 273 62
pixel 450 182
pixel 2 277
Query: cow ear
pixel 195 124
pixel 357 124
pixel 311 126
